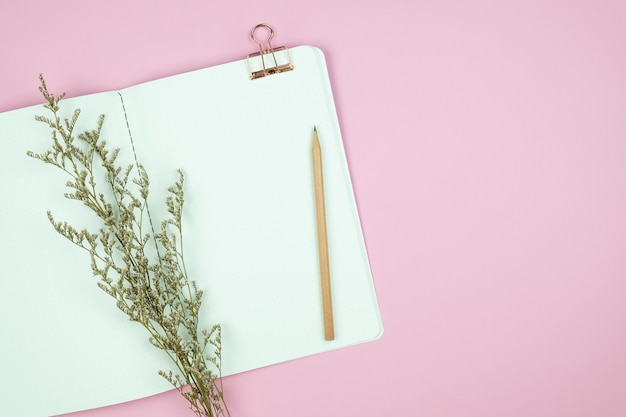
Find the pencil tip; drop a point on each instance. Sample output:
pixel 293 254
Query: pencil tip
pixel 315 128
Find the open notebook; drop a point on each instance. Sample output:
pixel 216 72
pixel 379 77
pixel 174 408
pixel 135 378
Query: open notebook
pixel 250 234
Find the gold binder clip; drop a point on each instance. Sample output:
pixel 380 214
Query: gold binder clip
pixel 280 58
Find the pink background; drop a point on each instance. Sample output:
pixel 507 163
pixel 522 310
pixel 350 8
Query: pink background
pixel 487 144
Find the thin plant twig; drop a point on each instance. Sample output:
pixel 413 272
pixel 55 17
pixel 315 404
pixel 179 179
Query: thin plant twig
pixel 156 293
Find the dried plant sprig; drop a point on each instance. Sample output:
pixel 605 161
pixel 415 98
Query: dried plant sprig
pixel 157 293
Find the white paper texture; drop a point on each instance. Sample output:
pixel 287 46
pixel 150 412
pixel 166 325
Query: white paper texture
pixel 249 229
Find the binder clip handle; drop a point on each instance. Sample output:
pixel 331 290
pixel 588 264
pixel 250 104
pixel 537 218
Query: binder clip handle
pixel 270 36
pixel 280 57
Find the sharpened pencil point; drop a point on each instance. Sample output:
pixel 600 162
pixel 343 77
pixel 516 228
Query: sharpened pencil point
pixel 315 128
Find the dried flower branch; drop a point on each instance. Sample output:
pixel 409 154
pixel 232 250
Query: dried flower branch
pixel 157 294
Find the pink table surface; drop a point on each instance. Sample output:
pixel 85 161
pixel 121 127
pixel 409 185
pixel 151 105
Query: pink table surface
pixel 487 144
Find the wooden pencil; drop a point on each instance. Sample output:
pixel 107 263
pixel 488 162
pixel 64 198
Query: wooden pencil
pixel 322 238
